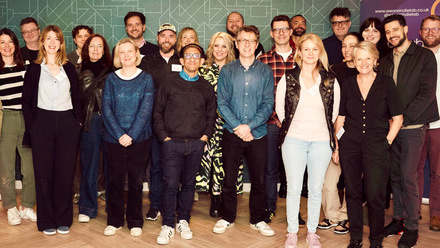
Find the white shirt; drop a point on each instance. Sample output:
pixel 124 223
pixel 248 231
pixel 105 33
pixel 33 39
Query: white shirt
pixel 54 92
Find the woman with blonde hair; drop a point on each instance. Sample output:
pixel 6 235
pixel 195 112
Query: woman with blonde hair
pixel 220 52
pixel 307 103
pixel 53 117
pixel 186 36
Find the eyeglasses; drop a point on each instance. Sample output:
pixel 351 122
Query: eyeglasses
pixel 433 30
pixel 29 31
pixel 278 30
pixel 244 41
pixel 192 55
pixel 341 23
pixel 93 46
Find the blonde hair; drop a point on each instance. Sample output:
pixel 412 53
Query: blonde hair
pixel 180 37
pixel 229 45
pixel 322 60
pixel 367 46
pixel 61 56
pixel 116 61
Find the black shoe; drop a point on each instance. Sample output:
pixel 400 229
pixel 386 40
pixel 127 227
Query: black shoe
pixel 394 228
pixel 215 210
pixel 326 224
pixel 269 215
pixel 409 239
pixel 152 214
pixel 342 227
pixel 355 244
pixel 282 193
pixel 301 222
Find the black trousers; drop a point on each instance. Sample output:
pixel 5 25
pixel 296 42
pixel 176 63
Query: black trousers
pixel 256 154
pixel 372 162
pixel 122 161
pixel 54 136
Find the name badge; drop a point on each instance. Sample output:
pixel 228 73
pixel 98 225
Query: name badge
pixel 340 133
pixel 176 67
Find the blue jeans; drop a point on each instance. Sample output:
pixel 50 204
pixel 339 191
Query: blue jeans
pixel 156 178
pixel 273 161
pixel 296 155
pixel 181 162
pixel 90 147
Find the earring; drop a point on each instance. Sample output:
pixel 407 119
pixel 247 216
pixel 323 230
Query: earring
pixel 389 45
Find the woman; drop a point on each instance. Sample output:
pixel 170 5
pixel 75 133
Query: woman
pixel 372 30
pixel 53 116
pixel 11 85
pixel 127 106
pixel 95 66
pixel 368 101
pixel 220 52
pixel 307 103
pixel 186 36
pixel 335 214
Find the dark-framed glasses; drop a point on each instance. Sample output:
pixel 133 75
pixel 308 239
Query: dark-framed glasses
pixel 340 23
pixel 283 29
pixel 29 31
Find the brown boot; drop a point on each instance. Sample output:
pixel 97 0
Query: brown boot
pixel 435 223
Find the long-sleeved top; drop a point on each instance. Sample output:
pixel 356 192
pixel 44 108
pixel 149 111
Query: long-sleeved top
pixel 159 68
pixel 127 106
pixel 333 47
pixel 184 109
pixel 245 96
pixel 11 87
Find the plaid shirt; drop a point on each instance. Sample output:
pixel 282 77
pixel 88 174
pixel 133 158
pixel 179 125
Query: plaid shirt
pixel 279 67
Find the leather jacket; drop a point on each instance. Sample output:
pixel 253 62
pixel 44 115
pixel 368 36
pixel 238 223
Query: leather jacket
pixel 293 89
pixel 91 94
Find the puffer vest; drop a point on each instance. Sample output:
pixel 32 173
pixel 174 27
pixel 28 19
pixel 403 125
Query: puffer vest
pixel 291 101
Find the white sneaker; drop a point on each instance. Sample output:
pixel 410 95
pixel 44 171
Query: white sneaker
pixel 184 230
pixel 136 231
pixel 28 213
pixel 264 228
pixel 165 234
pixel 14 216
pixel 82 218
pixel 111 230
pixel 221 226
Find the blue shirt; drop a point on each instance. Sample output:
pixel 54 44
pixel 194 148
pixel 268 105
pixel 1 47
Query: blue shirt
pixel 185 76
pixel 246 96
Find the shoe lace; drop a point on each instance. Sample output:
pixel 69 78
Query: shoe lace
pixel 166 231
pixel 314 237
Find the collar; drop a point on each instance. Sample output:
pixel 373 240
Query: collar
pixel 186 77
pixel 143 42
pixel 404 50
pixel 251 66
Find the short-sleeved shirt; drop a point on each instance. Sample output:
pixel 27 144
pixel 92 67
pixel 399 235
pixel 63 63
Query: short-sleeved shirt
pixel 366 120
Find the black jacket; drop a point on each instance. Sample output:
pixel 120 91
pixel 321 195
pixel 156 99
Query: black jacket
pixel 416 84
pixel 293 89
pixel 158 67
pixel 184 109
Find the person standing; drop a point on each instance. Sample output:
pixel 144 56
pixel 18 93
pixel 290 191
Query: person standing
pixel 414 69
pixel 341 23
pixel 135 28
pixel 31 35
pixel 80 34
pixel 299 27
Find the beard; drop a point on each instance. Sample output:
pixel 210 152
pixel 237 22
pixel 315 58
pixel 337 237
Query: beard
pixel 434 43
pixel 400 41
pixel 166 49
pixel 299 31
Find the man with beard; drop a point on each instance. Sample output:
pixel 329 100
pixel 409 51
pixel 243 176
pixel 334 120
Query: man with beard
pixel 160 64
pixel 135 28
pixel 341 23
pixel 430 35
pixel 233 23
pixel 299 27
pixel 414 70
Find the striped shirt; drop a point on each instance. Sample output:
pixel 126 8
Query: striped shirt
pixel 11 87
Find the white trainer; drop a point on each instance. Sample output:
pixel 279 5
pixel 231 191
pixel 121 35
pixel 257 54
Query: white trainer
pixel 28 213
pixel 184 230
pixel 14 216
pixel 221 226
pixel 111 230
pixel 263 228
pixel 165 234
pixel 82 218
pixel 136 231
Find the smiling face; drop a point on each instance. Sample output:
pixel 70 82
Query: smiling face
pixel 127 54
pixel 298 24
pixel 364 61
pixel 31 33
pixel 96 49
pixel 220 51
pixel 340 25
pixel 234 23
pixel 188 37
pixel 134 27
pixel 191 64
pixel 309 52
pixel 431 38
pixel 280 35
pixel 395 33
pixel 7 47
pixel 371 34
pixel 246 43
pixel 81 37
pixel 51 43
pixel 166 41
pixel 348 44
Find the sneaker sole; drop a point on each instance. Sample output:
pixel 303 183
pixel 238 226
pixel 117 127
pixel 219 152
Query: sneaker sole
pixel 14 223
pixel 63 232
pixel 340 232
pixel 152 219
pixel 264 234
pixel 326 227
pixel 222 231
pixel 50 233
pixel 391 235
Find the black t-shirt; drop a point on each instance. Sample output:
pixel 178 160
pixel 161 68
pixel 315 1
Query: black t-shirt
pixel 342 71
pixel 29 55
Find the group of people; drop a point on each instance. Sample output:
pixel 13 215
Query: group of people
pixel 361 104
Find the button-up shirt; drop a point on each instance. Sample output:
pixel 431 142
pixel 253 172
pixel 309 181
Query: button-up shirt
pixel 54 92
pixel 245 96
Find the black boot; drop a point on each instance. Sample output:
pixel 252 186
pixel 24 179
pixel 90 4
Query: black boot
pixel 282 193
pixel 215 210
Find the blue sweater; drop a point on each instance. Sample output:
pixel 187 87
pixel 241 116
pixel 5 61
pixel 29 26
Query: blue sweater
pixel 127 107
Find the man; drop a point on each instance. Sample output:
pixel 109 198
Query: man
pixel 80 34
pixel 279 58
pixel 429 33
pixel 233 23
pixel 299 27
pixel 160 64
pixel 31 35
pixel 135 28
pixel 340 21
pixel 245 101
pixel 414 70
pixel 184 116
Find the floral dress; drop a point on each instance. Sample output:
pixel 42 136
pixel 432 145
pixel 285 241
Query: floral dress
pixel 212 163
